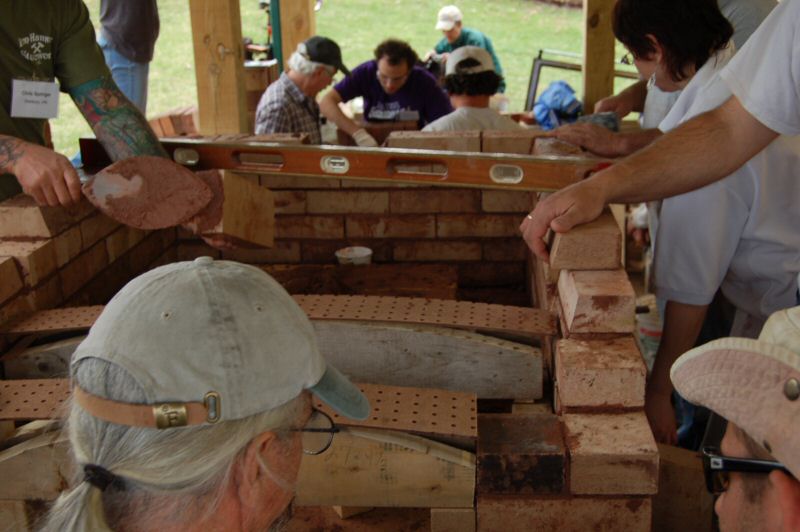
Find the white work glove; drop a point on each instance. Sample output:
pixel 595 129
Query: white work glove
pixel 364 139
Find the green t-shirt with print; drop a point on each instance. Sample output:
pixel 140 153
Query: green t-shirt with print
pixel 472 37
pixel 43 40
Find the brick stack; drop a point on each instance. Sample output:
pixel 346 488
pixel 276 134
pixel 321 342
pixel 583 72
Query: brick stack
pixel 51 256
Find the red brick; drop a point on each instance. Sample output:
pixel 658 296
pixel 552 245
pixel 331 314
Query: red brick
pixel 436 250
pixel 611 454
pixel 95 228
pixel 488 225
pixel 289 201
pixel 347 202
pixel 490 274
pixel 168 257
pixel 436 140
pixel 11 278
pixel 282 252
pixel 597 301
pixel 507 201
pixel 21 217
pixel 297 226
pixel 505 249
pixel 81 270
pixel 193 250
pixel 593 246
pixel 434 201
pixel 36 259
pixel 15 308
pixel 67 245
pixel 47 295
pixel 575 514
pixel 600 374
pixel 407 226
pixel 278 182
pixel 515 141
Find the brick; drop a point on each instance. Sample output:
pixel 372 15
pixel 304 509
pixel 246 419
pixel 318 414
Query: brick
pixel 323 251
pixel 453 520
pixel 436 140
pixel 282 252
pixel 487 225
pixel 520 454
pixel 289 201
pixel 193 250
pixel 95 228
pixel 682 502
pixel 11 279
pixel 490 274
pixel 347 202
pixel 36 259
pixel 278 182
pixel 296 226
pixel 505 249
pixel 47 295
pixel 611 454
pixel 597 301
pixel 400 226
pixel 437 250
pixel 507 201
pixel 524 514
pixel 600 374
pixel 21 217
pixel 434 201
pixel 554 146
pixel 168 257
pixel 145 252
pixel 122 240
pixel 67 245
pixel 81 270
pixel 593 246
pixel 519 142
pixel 14 308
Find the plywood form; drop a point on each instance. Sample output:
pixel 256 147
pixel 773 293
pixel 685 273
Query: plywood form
pixel 432 357
pixel 597 301
pixel 611 454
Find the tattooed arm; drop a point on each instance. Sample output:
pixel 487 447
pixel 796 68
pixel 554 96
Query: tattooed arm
pixel 44 174
pixel 117 123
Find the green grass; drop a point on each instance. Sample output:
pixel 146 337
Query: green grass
pixel 518 29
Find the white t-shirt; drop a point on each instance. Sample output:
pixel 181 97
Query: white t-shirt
pixel 470 118
pixel 765 74
pixel 740 234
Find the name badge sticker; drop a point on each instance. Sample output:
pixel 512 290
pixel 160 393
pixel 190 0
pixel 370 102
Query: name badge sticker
pixel 34 99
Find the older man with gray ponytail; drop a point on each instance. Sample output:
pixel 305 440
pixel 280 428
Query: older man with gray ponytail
pixel 289 105
pixel 191 404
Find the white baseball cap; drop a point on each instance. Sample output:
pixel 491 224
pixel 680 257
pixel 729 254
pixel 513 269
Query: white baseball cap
pixel 210 340
pixel 752 383
pixel 484 59
pixel 448 16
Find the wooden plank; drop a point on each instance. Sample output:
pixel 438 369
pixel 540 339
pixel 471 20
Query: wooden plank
pixel 368 467
pixel 432 357
pixel 600 301
pixel 36 469
pixel 521 454
pixel 298 23
pixel 241 212
pixel 600 374
pixel 219 66
pixel 486 170
pixel 593 246
pixel 611 454
pixel 682 502
pixel 438 281
pixel 598 52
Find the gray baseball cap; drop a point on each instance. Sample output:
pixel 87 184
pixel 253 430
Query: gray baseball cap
pixel 190 331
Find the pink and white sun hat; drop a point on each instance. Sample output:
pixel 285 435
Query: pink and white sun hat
pixel 752 383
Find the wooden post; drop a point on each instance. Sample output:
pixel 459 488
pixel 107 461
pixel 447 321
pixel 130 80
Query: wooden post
pixel 298 23
pixel 598 52
pixel 219 67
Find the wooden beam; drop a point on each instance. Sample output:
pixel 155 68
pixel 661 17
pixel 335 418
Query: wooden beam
pixel 598 52
pixel 219 66
pixel 298 23
pixel 368 467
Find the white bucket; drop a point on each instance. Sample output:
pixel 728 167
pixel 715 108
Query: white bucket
pixel 354 255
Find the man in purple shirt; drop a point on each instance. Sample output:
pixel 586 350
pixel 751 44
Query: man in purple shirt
pixel 393 88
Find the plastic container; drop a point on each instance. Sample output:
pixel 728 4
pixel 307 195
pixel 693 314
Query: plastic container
pixel 354 255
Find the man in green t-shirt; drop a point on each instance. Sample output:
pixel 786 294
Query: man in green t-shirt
pixel 42 41
pixel 456 36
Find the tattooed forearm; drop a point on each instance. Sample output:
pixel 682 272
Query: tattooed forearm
pixel 117 123
pixel 11 150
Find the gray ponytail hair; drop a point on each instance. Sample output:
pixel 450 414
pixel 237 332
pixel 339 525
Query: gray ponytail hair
pixel 168 475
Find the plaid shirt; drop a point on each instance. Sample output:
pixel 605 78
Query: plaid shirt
pixel 283 108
